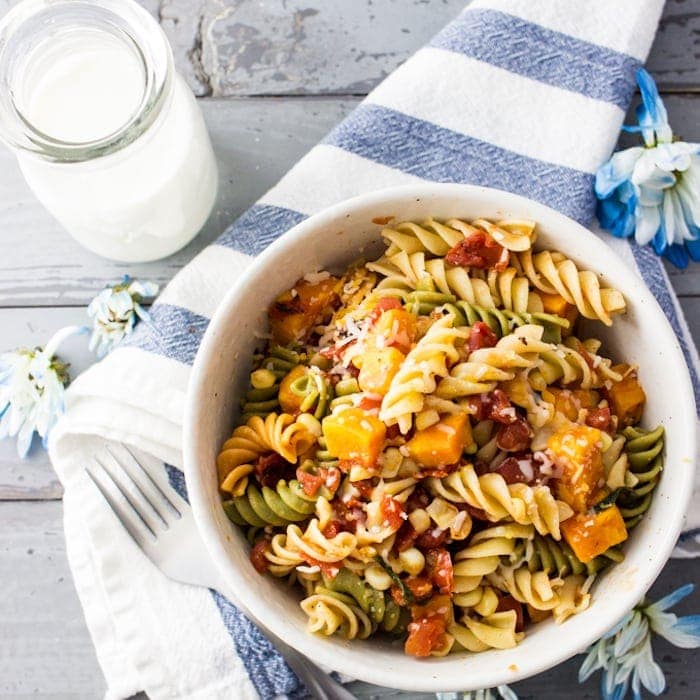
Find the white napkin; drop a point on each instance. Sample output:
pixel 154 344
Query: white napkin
pixel 525 95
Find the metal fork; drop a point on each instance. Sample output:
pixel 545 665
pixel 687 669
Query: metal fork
pixel 161 523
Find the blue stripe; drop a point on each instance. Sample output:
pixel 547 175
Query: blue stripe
pixel 651 269
pixel 173 332
pixel 266 668
pixel 434 153
pixel 542 54
pixel 258 227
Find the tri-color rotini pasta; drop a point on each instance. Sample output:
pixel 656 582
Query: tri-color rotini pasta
pixel 429 448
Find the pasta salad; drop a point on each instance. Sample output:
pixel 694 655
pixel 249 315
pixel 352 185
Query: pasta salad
pixel 430 448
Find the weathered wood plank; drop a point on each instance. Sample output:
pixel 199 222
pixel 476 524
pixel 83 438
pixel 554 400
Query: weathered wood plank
pixel 257 140
pixel 334 47
pixel 45 650
pixel 321 47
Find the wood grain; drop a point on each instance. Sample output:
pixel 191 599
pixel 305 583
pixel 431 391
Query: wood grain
pixel 46 652
pixel 322 47
pixel 45 649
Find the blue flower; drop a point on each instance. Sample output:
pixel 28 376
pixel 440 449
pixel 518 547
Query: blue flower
pixel 32 389
pixel 625 654
pixel 653 191
pixel 115 311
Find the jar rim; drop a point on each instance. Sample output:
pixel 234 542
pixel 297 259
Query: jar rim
pixel 123 18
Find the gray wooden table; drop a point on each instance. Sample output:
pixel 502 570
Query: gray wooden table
pixel 273 78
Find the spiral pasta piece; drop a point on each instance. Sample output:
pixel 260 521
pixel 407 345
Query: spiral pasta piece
pixel 405 273
pixel 500 321
pixel 261 398
pixel 286 503
pixel 495 631
pixel 281 560
pixel 437 239
pixel 558 559
pixel 429 359
pixel 282 434
pixel 314 544
pixel 566 363
pixel 573 597
pixel 536 589
pixel 382 611
pixel 526 505
pixel 330 613
pixel 644 453
pixel 483 556
pixel 488 366
pixel 553 273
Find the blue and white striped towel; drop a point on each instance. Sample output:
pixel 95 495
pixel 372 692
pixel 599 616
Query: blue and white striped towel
pixel 523 95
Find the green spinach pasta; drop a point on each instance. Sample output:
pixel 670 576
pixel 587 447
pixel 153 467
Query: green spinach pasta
pixel 430 449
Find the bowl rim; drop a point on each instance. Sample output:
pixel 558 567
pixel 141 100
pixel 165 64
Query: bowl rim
pixel 430 677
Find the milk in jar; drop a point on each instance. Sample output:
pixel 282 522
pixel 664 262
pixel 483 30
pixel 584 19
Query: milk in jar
pixel 107 134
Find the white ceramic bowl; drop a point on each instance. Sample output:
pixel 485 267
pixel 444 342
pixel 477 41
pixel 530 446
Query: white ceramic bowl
pixel 335 237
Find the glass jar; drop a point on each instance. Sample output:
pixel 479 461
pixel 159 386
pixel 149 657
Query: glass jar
pixel 107 134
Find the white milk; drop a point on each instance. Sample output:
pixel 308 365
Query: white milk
pixel 139 202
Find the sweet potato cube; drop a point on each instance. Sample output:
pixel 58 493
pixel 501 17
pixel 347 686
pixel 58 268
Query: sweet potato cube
pixel 443 442
pixel 591 534
pixel 296 311
pixel 577 451
pixel 569 402
pixel 289 401
pixel 554 304
pixel 396 328
pixel 355 436
pixel 627 396
pixel 378 369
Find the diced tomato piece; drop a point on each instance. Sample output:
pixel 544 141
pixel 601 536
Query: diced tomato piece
pixel 271 467
pixel 310 483
pixel 329 569
pixel 518 469
pixel 257 555
pixel 507 602
pixel 334 527
pixel 481 336
pixel 495 406
pixel 431 539
pixel 420 498
pixel 424 636
pixel 479 250
pixel 405 537
pixel 515 436
pixel 420 586
pixel 391 511
pixel 439 566
pixel 427 630
pixel 599 418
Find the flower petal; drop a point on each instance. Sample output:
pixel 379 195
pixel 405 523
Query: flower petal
pixel 685 633
pixel 668 601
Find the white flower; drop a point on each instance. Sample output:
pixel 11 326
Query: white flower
pixel 653 192
pixel 32 388
pixel 625 652
pixel 115 311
